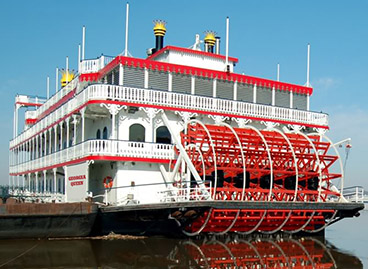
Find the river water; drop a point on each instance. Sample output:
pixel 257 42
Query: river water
pixel 344 246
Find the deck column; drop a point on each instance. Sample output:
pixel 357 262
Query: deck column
pixel 255 93
pixel 83 111
pixel 54 187
pixel 114 110
pixel 50 140
pixel 235 94
pixel 67 132
pixel 44 181
pixel 36 179
pixel 29 182
pixel 192 85
pixel 75 121
pixel 291 99
pixel 170 82
pixel 55 140
pixel 214 89
pixel 41 146
pixel 308 96
pixel 31 150
pixel 61 135
pixel 45 142
pixel 121 74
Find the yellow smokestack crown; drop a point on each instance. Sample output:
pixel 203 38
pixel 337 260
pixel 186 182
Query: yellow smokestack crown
pixel 66 77
pixel 210 38
pixel 160 28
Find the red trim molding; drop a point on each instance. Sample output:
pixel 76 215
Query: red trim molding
pixel 63 100
pixel 28 104
pixel 30 121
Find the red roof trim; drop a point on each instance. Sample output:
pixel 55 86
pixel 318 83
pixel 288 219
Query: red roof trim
pixel 190 51
pixel 195 71
pixel 88 77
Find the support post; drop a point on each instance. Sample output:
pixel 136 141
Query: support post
pixel 61 135
pixel 291 100
pixel 214 89
pixel 255 93
pixel 36 177
pixel 75 121
pixel 29 182
pixel 83 110
pixel 121 74
pixel 235 94
pixel 192 85
pixel 54 188
pixel 67 132
pixel 44 181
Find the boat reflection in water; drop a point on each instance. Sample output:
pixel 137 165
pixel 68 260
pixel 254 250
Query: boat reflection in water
pixel 171 253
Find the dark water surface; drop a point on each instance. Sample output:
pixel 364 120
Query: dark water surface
pixel 345 246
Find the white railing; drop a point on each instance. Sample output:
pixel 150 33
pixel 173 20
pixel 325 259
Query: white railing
pixel 32 196
pixel 97 148
pixel 94 65
pixel 355 194
pixel 30 114
pixel 25 99
pixel 58 96
pixel 174 100
pixel 166 193
pixel 206 104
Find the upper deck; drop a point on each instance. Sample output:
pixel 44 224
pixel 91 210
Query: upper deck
pixel 162 84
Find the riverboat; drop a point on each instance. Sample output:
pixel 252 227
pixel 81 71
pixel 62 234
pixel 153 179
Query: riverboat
pixel 179 143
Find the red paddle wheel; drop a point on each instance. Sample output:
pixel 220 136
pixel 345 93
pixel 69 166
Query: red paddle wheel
pixel 261 253
pixel 246 164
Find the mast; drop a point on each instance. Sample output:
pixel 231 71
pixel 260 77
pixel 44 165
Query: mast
pixel 227 42
pixel 83 41
pixel 126 29
pixel 308 66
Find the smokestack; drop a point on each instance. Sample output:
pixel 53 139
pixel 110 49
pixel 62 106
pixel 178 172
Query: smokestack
pixel 209 41
pixel 159 30
pixel 217 44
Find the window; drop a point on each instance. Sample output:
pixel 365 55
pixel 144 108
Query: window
pixel 104 133
pixel 98 134
pixel 137 133
pixel 163 135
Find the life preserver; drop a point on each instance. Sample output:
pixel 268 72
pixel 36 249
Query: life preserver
pixel 108 182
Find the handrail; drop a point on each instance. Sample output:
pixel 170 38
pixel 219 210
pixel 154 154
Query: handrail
pixel 174 100
pixel 94 65
pixel 97 147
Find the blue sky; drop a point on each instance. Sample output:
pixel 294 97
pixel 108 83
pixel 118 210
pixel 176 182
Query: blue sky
pixel 36 36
